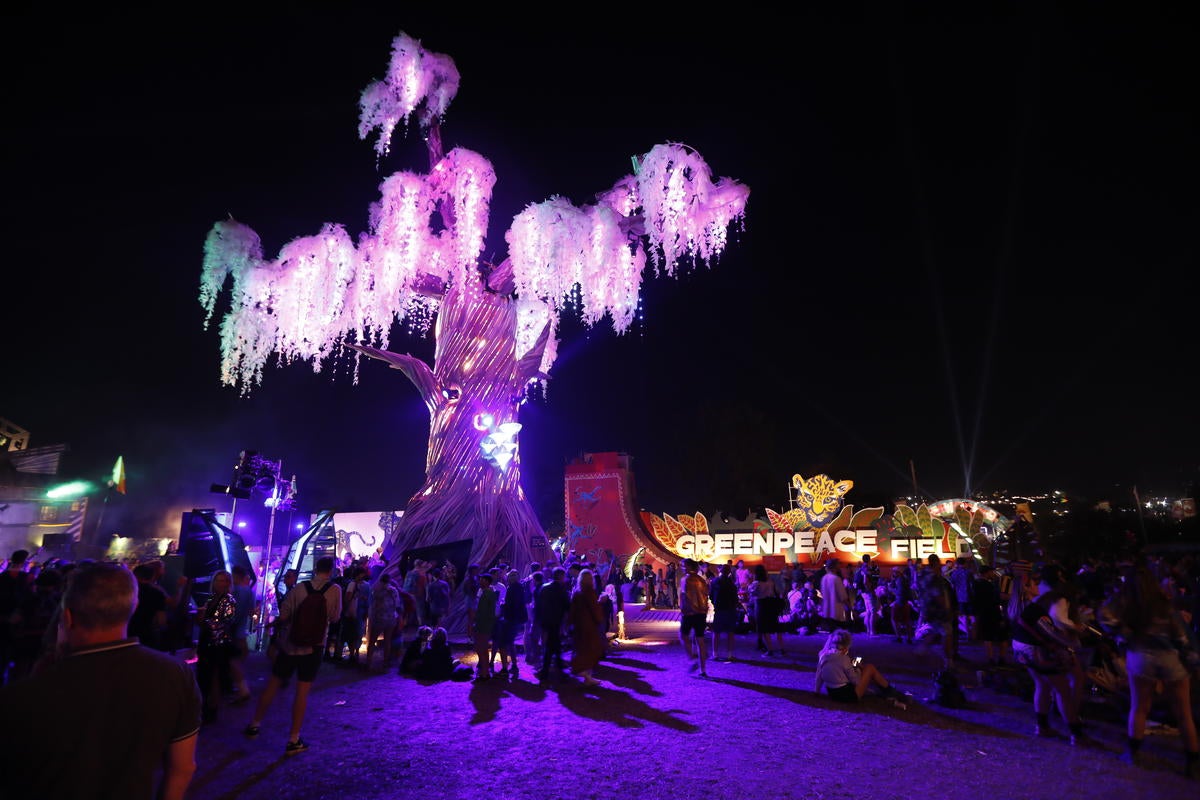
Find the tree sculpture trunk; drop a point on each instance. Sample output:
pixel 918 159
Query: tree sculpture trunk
pixel 475 386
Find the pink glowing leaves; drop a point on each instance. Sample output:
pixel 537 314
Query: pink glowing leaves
pixel 685 214
pixel 594 256
pixel 463 180
pixel 557 248
pixel 321 288
pixel 415 78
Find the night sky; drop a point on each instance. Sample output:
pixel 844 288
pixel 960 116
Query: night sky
pixel 970 245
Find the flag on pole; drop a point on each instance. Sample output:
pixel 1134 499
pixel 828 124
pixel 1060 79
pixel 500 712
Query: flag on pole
pixel 118 475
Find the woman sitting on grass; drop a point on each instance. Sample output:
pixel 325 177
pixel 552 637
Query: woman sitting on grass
pixel 842 680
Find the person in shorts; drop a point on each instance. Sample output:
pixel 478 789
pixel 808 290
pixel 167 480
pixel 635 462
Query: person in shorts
pixel 724 596
pixel 303 662
pixel 1160 657
pixel 693 614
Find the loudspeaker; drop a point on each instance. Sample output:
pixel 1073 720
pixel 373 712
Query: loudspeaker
pixel 207 546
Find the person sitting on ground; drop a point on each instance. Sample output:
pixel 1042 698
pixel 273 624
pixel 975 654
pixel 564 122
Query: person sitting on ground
pixel 838 676
pixel 437 661
pixel 410 662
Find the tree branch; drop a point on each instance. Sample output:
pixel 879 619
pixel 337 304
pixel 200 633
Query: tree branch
pixel 413 368
pixel 529 364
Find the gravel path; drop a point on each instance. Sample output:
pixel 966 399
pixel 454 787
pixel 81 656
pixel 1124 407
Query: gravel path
pixel 753 729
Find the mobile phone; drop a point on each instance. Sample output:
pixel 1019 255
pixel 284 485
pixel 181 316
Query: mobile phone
pixel 857 660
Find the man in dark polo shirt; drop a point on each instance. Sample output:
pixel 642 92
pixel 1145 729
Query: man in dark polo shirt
pixel 114 711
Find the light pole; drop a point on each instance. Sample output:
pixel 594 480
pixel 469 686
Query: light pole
pixel 281 498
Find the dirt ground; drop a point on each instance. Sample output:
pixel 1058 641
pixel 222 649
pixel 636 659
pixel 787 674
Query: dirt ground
pixel 753 729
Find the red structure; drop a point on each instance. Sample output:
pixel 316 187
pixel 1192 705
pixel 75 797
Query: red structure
pixel 602 514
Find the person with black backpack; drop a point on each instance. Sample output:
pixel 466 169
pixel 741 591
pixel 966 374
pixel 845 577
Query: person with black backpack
pixel 303 624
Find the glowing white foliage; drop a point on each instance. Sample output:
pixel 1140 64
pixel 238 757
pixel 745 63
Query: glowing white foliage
pixel 415 75
pixel 320 289
pixel 686 214
pixel 561 253
pixel 533 315
pixel 464 180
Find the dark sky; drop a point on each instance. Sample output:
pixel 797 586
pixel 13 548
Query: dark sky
pixel 970 244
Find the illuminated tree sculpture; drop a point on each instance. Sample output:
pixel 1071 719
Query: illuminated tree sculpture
pixel 496 324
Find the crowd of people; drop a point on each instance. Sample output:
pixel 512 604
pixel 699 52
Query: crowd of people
pixel 1120 627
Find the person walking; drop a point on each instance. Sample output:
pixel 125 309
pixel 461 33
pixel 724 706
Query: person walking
pixel 648 588
pixel 866 582
pixel 550 609
pixel 437 597
pixel 356 607
pixel 585 618
pixel 531 634
pixel 938 619
pixel 302 642
pixel 901 591
pixel 1049 655
pixel 724 596
pixel 486 615
pixel 1158 651
pixel 768 606
pixel 383 618
pixel 693 614
pixel 510 623
pixel 215 647
pixel 835 600
pixel 243 619
pixel 991 624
